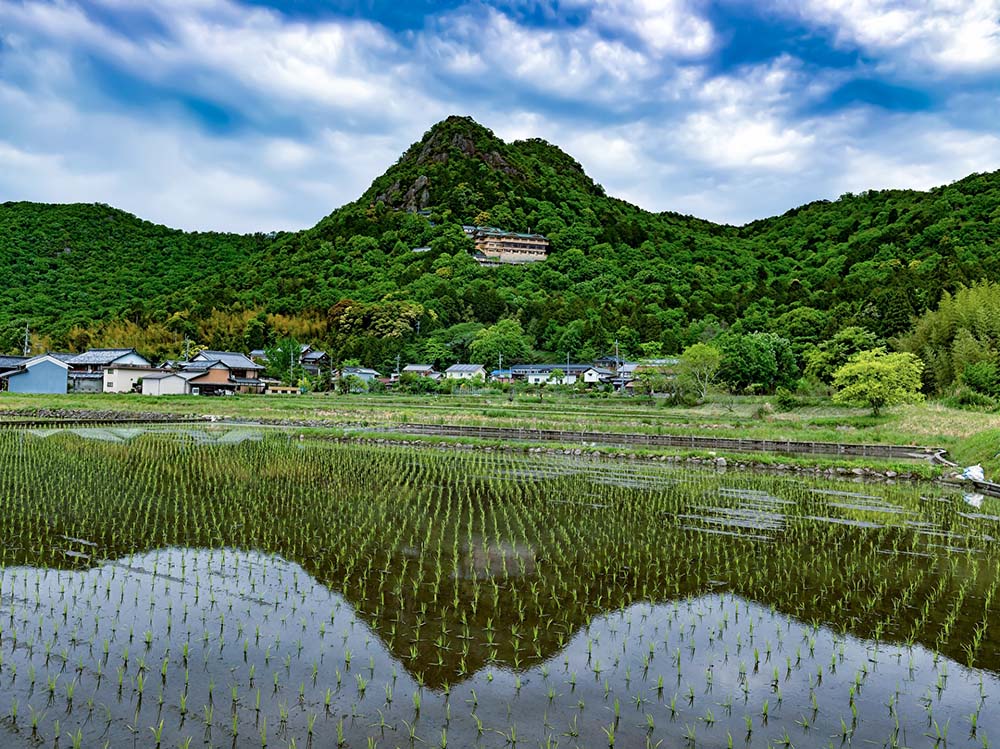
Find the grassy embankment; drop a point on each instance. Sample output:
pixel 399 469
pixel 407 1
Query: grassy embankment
pixel 969 437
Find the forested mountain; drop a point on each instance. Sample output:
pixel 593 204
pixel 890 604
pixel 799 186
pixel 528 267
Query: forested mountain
pixel 89 274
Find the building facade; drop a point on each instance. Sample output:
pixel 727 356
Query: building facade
pixel 42 374
pixel 498 247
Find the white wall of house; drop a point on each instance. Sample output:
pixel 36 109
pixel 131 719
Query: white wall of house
pixel 121 379
pixel 173 385
pixel 481 372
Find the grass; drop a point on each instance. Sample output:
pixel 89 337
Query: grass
pixel 930 424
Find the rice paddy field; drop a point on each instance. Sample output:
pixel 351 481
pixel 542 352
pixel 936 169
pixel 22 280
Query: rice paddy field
pixel 232 588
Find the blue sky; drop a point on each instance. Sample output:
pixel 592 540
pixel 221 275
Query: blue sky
pixel 253 115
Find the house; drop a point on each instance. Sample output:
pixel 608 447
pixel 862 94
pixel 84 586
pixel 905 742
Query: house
pixel 503 376
pixel 362 373
pixel 169 383
pixel 311 360
pixel 125 378
pixel 41 374
pixel 314 361
pixel 224 372
pixel 498 247
pixel 86 370
pixel 465 371
pixel 421 370
pixel 540 374
pixel 10 364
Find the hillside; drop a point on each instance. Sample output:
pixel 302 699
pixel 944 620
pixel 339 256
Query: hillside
pixel 615 271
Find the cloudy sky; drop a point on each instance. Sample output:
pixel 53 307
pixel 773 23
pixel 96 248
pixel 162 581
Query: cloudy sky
pixel 266 114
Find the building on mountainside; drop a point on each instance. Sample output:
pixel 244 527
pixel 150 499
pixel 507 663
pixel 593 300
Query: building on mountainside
pixel 540 374
pixel 88 372
pixel 498 247
pixel 40 374
pixel 465 371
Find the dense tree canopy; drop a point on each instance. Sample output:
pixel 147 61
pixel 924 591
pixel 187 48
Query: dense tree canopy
pixel 84 275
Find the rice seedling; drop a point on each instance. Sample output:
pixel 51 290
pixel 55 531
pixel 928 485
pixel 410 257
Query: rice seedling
pixel 490 581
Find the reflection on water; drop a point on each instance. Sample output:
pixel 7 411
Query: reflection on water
pixel 203 435
pixel 260 590
pixel 255 646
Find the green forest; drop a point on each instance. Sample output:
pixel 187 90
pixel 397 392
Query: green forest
pixel 876 265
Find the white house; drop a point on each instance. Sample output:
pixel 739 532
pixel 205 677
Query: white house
pixel 540 374
pixel 421 370
pixel 168 383
pixel 122 378
pixel 465 371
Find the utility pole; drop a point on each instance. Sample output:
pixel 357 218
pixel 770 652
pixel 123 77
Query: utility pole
pixel 27 339
pixel 397 365
pixel 618 364
pixel 500 364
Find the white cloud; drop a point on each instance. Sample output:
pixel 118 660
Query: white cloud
pixel 953 35
pixel 329 105
pixel 665 27
pixel 565 64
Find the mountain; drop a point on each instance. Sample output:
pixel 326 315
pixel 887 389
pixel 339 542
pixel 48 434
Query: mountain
pixel 89 274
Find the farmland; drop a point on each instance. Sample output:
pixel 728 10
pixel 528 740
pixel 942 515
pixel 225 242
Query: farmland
pixel 203 587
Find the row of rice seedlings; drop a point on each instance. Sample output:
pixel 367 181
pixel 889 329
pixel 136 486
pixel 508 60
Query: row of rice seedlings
pixel 460 566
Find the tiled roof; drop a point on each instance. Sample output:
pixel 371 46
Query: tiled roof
pixel 11 362
pixel 231 359
pixel 566 368
pixel 100 356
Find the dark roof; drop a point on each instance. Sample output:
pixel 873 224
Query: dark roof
pixel 566 368
pixel 313 355
pixel 12 362
pixel 100 356
pixel 360 370
pixel 231 359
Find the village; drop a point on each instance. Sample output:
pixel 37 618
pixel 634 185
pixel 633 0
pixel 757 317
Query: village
pixel 124 370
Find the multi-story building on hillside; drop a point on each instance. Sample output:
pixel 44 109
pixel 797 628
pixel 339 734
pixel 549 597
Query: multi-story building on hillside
pixel 496 246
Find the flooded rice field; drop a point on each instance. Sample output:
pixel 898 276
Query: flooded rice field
pixel 190 589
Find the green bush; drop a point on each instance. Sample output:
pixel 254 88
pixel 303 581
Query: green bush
pixel 966 397
pixel 983 377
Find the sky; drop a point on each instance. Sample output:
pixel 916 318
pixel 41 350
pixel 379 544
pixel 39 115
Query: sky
pixel 259 115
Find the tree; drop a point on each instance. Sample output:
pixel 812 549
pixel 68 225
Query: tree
pixel 824 359
pixel 757 362
pixel 283 361
pixel 506 337
pixel 879 380
pixel 557 376
pixel 699 367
